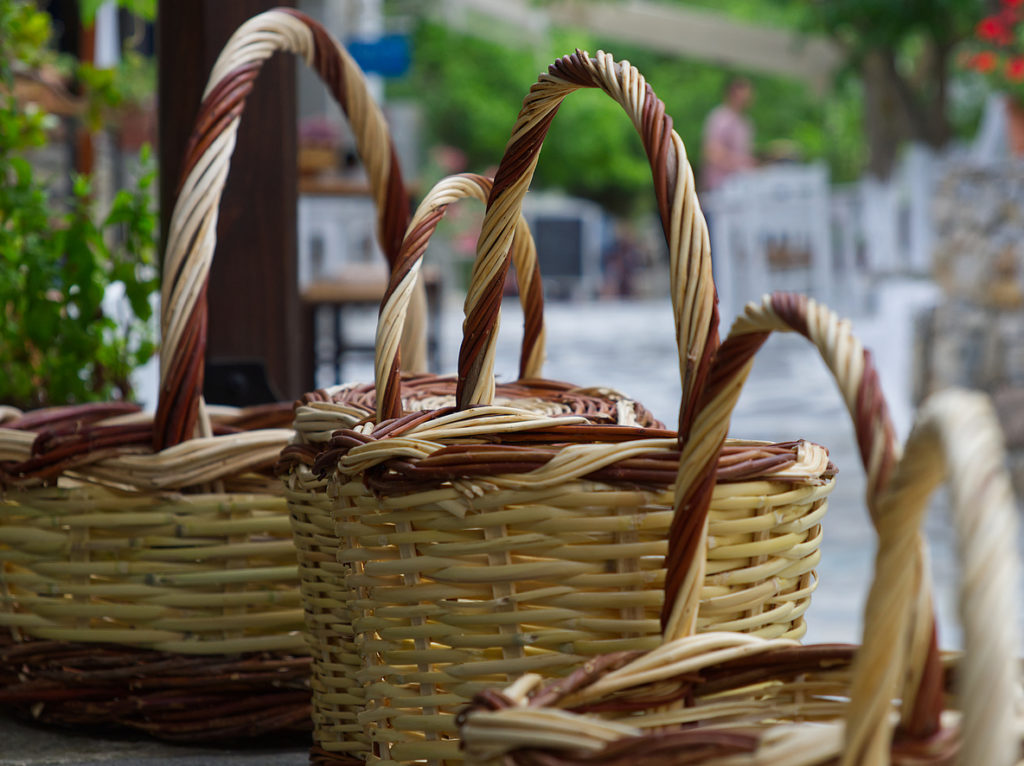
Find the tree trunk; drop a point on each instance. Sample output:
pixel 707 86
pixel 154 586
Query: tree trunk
pixel 885 118
pixel 936 117
pixel 923 96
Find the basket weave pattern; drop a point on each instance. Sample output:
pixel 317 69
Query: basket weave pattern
pixel 338 700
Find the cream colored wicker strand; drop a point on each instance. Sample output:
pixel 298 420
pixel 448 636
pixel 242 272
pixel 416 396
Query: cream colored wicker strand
pixel 392 321
pixel 192 236
pixel 844 355
pixel 489 735
pixel 956 436
pixel 189 464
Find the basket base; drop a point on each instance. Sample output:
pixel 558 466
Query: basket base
pixel 178 698
pixel 320 757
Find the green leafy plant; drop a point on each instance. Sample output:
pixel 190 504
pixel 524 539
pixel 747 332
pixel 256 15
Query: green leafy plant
pixel 58 258
pixel 127 85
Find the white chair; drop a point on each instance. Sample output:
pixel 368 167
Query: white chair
pixel 768 226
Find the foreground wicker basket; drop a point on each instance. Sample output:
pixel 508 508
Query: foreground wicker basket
pixel 147 572
pixel 444 551
pixel 727 699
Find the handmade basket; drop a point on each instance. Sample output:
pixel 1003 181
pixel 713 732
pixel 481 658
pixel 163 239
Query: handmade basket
pixel 147 573
pixel 728 699
pixel 444 551
pixel 320 414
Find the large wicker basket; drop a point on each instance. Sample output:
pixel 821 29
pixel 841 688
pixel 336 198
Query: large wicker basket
pixel 147 572
pixel 445 551
pixel 727 699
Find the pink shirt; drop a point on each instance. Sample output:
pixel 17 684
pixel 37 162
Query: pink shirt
pixel 732 131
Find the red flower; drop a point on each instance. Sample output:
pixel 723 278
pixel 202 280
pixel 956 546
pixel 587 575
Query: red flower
pixel 1015 69
pixel 984 61
pixel 1012 3
pixel 993 28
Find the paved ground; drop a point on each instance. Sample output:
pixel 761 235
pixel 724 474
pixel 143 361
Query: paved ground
pixel 630 346
pixel 28 746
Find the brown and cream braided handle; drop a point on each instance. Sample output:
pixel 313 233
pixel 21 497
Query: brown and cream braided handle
pixel 956 437
pixel 696 315
pixel 193 230
pixel 852 366
pixel 405 274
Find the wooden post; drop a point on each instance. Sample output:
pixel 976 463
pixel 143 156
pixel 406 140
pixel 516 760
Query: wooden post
pixel 255 312
pixel 84 154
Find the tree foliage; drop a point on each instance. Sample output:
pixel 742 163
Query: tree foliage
pixel 895 87
pixel 471 90
pixel 903 52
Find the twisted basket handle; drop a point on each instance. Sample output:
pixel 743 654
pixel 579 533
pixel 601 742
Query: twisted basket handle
pixel 852 366
pixel 696 316
pixel 956 436
pixel 193 230
pixel 405 274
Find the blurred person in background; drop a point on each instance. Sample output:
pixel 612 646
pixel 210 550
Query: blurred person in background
pixel 728 148
pixel 728 140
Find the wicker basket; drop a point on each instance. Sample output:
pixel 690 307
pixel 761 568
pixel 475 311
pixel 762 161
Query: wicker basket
pixel 727 699
pixel 320 414
pixel 445 551
pixel 158 589
pixel 166 540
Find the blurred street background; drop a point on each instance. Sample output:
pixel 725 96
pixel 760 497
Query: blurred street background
pixel 866 153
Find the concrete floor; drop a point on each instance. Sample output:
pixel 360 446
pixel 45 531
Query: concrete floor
pixel 22 745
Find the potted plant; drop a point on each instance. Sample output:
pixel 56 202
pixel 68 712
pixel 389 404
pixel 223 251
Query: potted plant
pixel 996 52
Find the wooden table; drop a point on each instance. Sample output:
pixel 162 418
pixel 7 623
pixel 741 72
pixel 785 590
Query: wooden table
pixel 363 285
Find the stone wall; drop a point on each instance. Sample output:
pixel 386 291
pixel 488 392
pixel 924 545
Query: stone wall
pixel 975 336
